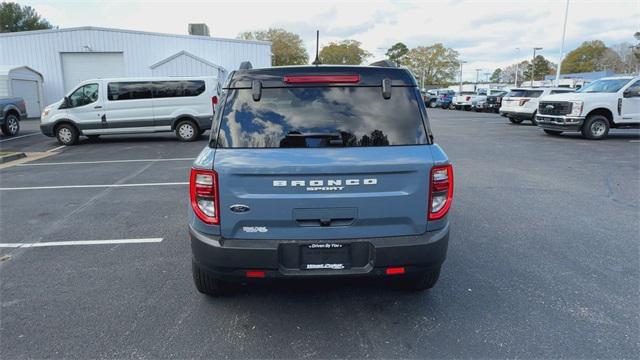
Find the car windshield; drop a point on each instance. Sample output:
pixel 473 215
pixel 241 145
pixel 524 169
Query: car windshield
pixel 604 86
pixel 321 117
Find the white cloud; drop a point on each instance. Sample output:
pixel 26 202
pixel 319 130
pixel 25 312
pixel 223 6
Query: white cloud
pixel 485 33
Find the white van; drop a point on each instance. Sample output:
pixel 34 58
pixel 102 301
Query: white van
pixel 133 106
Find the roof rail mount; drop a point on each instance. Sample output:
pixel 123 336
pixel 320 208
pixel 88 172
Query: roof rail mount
pixel 384 63
pixel 246 65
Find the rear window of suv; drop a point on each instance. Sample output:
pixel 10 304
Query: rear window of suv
pixel 310 117
pixel 525 93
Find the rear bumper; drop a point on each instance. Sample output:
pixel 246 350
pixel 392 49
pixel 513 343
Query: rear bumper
pixel 517 114
pixel 230 259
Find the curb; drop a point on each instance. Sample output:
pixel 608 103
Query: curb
pixel 12 157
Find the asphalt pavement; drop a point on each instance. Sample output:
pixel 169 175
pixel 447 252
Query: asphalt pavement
pixel 543 259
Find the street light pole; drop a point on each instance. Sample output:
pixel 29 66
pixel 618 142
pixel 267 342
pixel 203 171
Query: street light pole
pixel 517 65
pixel 461 62
pixel 533 62
pixel 477 76
pixel 564 32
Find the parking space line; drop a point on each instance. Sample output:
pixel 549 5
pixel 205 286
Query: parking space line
pixel 634 140
pixel 81 242
pixel 58 148
pixel 91 186
pixel 18 137
pixel 104 161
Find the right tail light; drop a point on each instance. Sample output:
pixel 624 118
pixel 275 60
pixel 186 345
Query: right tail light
pixel 440 191
pixel 203 190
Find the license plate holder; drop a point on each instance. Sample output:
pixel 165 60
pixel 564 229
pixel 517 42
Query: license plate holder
pixel 325 256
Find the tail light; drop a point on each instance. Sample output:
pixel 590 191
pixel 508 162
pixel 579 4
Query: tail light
pixel 468 98
pixel 203 189
pixel 320 79
pixel 523 101
pixel 214 100
pixel 440 191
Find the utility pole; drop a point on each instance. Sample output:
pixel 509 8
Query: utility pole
pixel 564 32
pixel 461 62
pixel 517 65
pixel 533 63
pixel 477 76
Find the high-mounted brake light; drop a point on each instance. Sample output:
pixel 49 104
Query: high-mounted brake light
pixel 440 191
pixel 321 79
pixel 203 190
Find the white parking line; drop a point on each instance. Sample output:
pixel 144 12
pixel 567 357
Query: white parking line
pixel 634 140
pixel 91 186
pixel 58 148
pixel 81 242
pixel 104 161
pixel 18 137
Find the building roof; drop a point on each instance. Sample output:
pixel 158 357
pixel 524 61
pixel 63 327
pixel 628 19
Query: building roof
pixel 6 69
pixel 89 28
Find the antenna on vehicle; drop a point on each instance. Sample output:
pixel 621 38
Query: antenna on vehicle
pixel 317 62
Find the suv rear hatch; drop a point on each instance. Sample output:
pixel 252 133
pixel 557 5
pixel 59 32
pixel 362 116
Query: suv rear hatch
pixel 322 159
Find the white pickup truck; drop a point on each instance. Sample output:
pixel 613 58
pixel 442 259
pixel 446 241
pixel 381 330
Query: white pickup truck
pixel 593 110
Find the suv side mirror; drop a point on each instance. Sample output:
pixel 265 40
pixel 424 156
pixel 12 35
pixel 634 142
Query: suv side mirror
pixel 633 91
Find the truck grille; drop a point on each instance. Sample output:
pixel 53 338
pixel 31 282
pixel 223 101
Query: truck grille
pixel 554 108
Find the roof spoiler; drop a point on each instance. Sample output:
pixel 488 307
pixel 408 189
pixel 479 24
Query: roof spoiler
pixel 246 65
pixel 384 63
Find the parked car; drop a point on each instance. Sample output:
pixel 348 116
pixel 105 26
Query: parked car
pixel 463 101
pixel 445 100
pixel 11 111
pixel 522 103
pixel 133 106
pixel 320 172
pixel 594 109
pixel 481 102
pixel 432 96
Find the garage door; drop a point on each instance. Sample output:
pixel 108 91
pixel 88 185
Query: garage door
pixel 28 90
pixel 77 67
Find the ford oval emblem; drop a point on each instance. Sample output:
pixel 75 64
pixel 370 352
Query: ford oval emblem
pixel 239 208
pixel 549 106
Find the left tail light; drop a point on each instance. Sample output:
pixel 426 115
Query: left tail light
pixel 523 101
pixel 440 191
pixel 203 189
pixel 468 98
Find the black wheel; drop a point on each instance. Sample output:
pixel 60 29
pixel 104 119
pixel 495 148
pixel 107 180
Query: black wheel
pixel 451 106
pixel 93 137
pixel 596 127
pixel 419 282
pixel 67 134
pixel 467 108
pixel 553 132
pixel 11 125
pixel 533 120
pixel 209 285
pixel 432 104
pixel 515 120
pixel 187 130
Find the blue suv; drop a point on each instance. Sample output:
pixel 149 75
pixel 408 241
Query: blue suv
pixel 316 172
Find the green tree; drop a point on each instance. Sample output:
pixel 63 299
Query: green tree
pixel 591 56
pixel 496 77
pixel 287 47
pixel 345 52
pixel 397 52
pixel 542 67
pixel 14 17
pixel 433 65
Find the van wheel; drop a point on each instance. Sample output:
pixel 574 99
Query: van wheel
pixel 209 285
pixel 553 132
pixel 11 125
pixel 596 127
pixel 420 282
pixel 187 130
pixel 67 134
pixel 515 120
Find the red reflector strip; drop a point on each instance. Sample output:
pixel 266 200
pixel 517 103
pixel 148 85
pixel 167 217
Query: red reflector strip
pixel 319 79
pixel 255 274
pixel 395 270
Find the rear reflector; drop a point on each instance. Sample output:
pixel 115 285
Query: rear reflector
pixel 321 79
pixel 255 274
pixel 395 271
pixel 440 191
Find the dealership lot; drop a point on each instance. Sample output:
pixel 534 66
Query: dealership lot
pixel 543 259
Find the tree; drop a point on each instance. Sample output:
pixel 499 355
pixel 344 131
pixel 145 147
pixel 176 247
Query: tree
pixel 287 47
pixel 496 77
pixel 591 56
pixel 345 52
pixel 541 66
pixel 397 52
pixel 509 72
pixel 433 65
pixel 14 17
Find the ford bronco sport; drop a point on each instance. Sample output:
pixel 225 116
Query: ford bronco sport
pixel 320 171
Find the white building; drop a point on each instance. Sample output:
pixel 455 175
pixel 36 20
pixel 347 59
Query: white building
pixel 24 82
pixel 65 57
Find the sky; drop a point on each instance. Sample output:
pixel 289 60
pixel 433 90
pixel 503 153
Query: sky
pixel 485 33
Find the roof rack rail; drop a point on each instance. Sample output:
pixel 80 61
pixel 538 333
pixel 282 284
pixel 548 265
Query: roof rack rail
pixel 384 63
pixel 246 65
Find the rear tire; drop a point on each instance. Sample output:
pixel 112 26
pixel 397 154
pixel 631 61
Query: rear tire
pixel 595 127
pixel 552 132
pixel 67 134
pixel 452 107
pixel 420 282
pixel 432 104
pixel 187 130
pixel 209 285
pixel 515 120
pixel 11 125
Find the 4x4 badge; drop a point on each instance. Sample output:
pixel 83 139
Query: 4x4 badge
pixel 239 208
